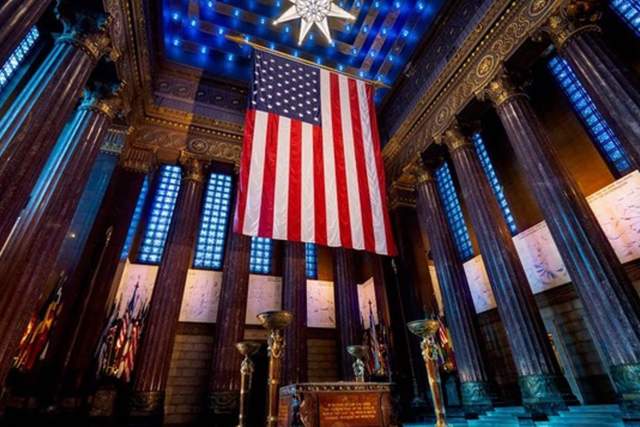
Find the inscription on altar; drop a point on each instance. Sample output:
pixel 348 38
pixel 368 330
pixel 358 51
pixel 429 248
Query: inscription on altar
pixel 354 409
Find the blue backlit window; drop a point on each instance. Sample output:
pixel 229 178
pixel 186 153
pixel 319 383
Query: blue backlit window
pixel 453 212
pixel 135 219
pixel 18 56
pixel 213 225
pixel 311 258
pixel 629 11
pixel 600 132
pixel 164 202
pixel 261 250
pixel 497 188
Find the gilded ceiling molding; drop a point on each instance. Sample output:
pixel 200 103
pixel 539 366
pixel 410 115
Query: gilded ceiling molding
pixel 171 128
pixel 170 140
pixel 477 63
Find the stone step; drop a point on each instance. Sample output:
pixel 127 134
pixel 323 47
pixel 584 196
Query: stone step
pixel 615 409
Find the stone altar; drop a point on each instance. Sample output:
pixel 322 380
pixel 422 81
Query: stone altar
pixel 340 404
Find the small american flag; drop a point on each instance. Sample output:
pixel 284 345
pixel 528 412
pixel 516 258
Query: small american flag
pixel 311 168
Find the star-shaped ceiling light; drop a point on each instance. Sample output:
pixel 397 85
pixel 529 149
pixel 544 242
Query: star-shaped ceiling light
pixel 313 12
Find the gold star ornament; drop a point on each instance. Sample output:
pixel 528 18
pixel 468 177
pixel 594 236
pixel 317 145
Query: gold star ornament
pixel 313 12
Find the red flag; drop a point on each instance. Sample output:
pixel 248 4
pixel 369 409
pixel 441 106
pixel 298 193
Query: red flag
pixel 311 168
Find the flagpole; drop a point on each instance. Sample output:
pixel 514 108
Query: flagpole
pixel 242 40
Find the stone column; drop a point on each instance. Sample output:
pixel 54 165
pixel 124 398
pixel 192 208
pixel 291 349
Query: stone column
pixel 158 336
pixel 348 322
pixel 95 275
pixel 613 89
pixel 224 386
pixel 30 129
pixel 406 302
pixel 16 19
pixel 31 251
pixel 611 304
pixel 456 296
pixel 539 376
pixel 294 299
pixel 380 288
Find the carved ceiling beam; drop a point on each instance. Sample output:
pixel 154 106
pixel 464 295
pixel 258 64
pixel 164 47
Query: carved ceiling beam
pixel 500 33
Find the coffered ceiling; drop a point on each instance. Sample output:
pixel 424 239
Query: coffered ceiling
pixel 376 45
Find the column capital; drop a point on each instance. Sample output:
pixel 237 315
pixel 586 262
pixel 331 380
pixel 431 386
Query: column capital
pixel 401 193
pixel 454 138
pixel 577 17
pixel 139 160
pixel 419 171
pixel 192 167
pixel 500 89
pixel 106 100
pixel 87 31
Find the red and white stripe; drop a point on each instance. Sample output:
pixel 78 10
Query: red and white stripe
pixel 324 185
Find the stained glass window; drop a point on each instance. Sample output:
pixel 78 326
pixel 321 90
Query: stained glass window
pixel 135 219
pixel 311 257
pixel 18 56
pixel 601 133
pixel 453 211
pixel 164 201
pixel 496 186
pixel 629 11
pixel 213 224
pixel 261 250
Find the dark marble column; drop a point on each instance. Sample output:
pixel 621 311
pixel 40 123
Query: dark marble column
pixel 539 376
pixel 348 322
pixel 29 130
pixel 156 347
pixel 294 299
pixel 613 89
pixel 406 301
pixel 16 19
pixel 611 304
pixel 82 322
pixel 224 386
pixel 380 288
pixel 456 296
pixel 31 251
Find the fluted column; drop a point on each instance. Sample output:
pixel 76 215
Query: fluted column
pixel 613 89
pixel 348 323
pixel 156 347
pixel 16 19
pixel 94 277
pixel 30 252
pixel 611 304
pixel 539 376
pixel 294 299
pixel 456 296
pixel 224 386
pixel 31 126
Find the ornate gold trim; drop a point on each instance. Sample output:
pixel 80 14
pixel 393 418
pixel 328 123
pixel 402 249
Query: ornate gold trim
pixel 507 25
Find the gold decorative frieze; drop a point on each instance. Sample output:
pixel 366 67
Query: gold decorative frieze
pixel 499 34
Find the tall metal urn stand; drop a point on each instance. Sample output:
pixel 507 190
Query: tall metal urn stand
pixel 426 330
pixel 247 349
pixel 274 322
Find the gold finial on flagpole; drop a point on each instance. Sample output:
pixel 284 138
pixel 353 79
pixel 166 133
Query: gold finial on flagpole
pixel 242 40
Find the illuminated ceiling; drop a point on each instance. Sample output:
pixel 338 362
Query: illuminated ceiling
pixel 377 45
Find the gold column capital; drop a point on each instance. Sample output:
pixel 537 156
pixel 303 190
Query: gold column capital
pixel 402 193
pixel 576 17
pixel 192 167
pixel 500 89
pixel 109 103
pixel 139 160
pixel 92 38
pixel 454 138
pixel 418 171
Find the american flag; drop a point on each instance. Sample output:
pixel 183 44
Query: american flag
pixel 311 168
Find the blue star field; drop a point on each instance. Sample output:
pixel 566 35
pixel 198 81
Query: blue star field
pixel 377 45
